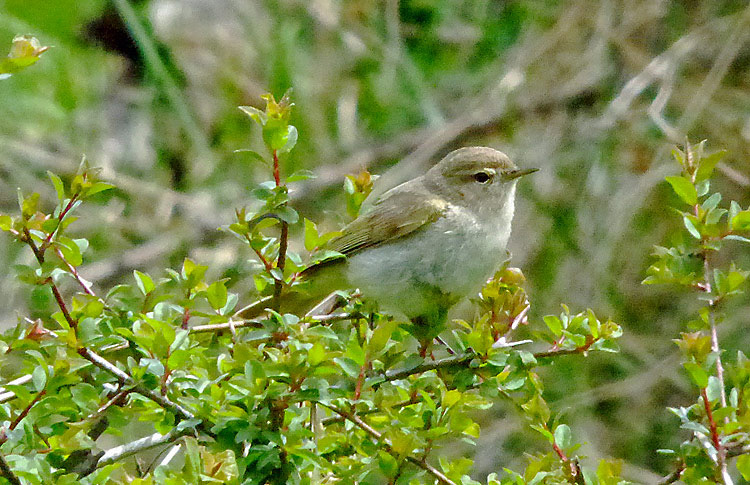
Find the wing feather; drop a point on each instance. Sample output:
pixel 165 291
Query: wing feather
pixel 398 213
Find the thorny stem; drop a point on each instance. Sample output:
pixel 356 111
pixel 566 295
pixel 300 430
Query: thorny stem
pixel 379 437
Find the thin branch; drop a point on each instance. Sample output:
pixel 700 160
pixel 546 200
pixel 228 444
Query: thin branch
pixel 142 444
pixel 465 358
pixel 715 438
pixel 456 360
pixel 86 285
pixel 26 410
pixel 6 396
pixel 222 327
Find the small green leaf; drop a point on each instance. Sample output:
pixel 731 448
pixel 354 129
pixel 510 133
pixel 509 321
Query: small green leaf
pixel 6 222
pixel 216 293
pixel 98 187
pixel 300 175
pixel 255 114
pixel 29 205
pixel 311 235
pixel 707 164
pixel 348 366
pixel 451 397
pixel 733 237
pixel 316 355
pixel 743 466
pixel 740 221
pixel 58 184
pixel 253 155
pixel 39 378
pixel 144 282
pixel 712 201
pixel 563 436
pixel 691 227
pixel 291 139
pixel 684 188
pixel 287 214
pixel 697 374
pixel 554 324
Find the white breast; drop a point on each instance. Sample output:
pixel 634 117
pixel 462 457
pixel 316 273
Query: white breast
pixel 455 256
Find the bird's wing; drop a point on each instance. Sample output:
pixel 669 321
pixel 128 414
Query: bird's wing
pixel 397 214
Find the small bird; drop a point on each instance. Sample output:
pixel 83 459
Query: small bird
pixel 428 242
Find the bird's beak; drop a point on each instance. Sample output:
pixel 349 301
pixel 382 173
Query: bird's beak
pixel 520 173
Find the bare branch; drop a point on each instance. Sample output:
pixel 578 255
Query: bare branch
pixel 142 444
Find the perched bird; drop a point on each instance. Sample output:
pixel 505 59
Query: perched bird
pixel 426 243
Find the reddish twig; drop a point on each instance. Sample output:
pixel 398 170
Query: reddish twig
pixel 72 269
pixel 715 438
pixel 276 171
pixel 39 254
pixel 60 218
pixel 26 410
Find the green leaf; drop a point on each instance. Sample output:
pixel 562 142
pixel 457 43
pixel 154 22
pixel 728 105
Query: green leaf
pixel 300 175
pixel 59 187
pixel 380 336
pixel 740 221
pixel 144 282
pixel 684 188
pixel 216 293
pixel 743 466
pixel 451 397
pixel 287 214
pixel 348 366
pixel 98 187
pixel 712 201
pixel 29 205
pixel 734 237
pixel 6 222
pixel 311 235
pixel 39 378
pixel 255 114
pixel 291 140
pixel 563 436
pixel 253 155
pixel 691 227
pixel 707 164
pixel 697 374
pixel 316 355
pixel 554 324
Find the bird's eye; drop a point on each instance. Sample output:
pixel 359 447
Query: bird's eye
pixel 482 177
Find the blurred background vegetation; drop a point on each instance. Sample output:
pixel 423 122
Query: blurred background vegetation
pixel 593 92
